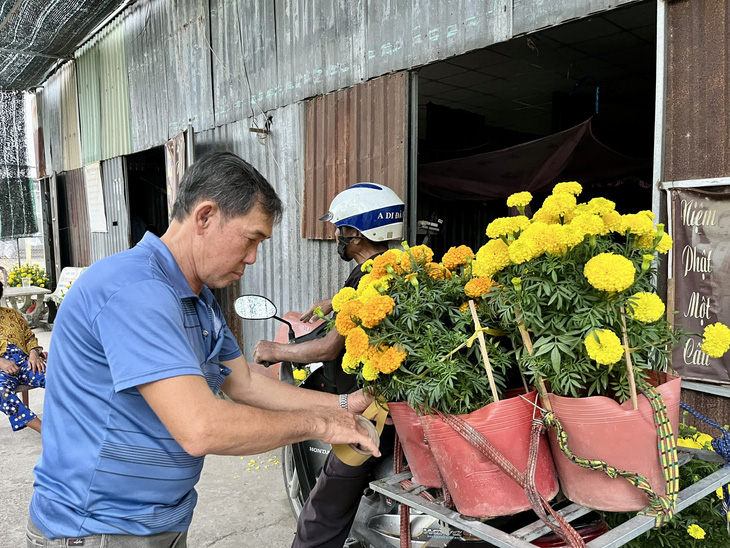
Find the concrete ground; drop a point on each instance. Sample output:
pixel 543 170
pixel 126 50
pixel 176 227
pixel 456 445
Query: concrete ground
pixel 241 500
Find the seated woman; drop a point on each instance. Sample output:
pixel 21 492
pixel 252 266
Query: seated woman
pixel 21 362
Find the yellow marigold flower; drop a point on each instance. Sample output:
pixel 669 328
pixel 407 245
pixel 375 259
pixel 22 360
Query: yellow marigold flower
pixel 389 360
pixel 637 223
pixel 553 240
pixel 646 307
pixel 367 266
pixel 375 309
pixel 695 531
pixel 464 308
pixel 716 340
pixel 491 258
pixel 665 244
pixel 601 206
pixel 719 493
pixel 612 220
pixel 369 373
pixel 438 271
pixel 688 442
pixel 357 343
pixel 382 285
pixel 299 374
pixel 390 258
pixel 610 272
pixel 589 223
pixel 457 256
pixel 344 320
pixel 555 208
pixel 350 365
pixel 421 254
pixel 519 199
pixel 571 236
pixel 523 250
pixel 364 282
pixel 476 287
pixel 572 187
pixel 705 440
pixel 648 214
pixel 369 292
pixel 604 346
pixel 507 226
pixel 343 295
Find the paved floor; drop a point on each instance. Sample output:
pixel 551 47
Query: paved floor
pixel 241 499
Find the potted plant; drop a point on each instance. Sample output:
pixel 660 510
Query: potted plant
pixel 409 336
pixel 575 288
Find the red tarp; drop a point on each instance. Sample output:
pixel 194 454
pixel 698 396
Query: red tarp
pixel 571 155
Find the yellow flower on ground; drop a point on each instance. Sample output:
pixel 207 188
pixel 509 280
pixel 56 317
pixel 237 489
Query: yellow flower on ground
pixel 646 307
pixel 695 531
pixel 604 346
pixel 389 360
pixel 519 199
pixel 491 258
pixel 343 295
pixel 476 287
pixel 457 256
pixel 507 226
pixel 610 272
pixel 344 320
pixel 357 343
pixel 300 374
pixel 716 340
pixel 375 309
pixel 369 373
pixel 571 187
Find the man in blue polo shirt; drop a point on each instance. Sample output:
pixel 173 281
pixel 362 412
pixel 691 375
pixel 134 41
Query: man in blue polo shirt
pixel 140 349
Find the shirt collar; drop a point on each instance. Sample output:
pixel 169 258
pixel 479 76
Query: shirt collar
pixel 168 264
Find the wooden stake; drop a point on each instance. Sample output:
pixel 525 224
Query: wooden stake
pixel 483 348
pixel 629 365
pixel 540 382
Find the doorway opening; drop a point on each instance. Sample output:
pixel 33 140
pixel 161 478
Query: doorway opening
pixel 147 189
pixel 570 102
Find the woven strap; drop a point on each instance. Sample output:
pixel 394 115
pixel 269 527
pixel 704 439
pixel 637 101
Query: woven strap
pixel 721 446
pixel 661 508
pixel 541 506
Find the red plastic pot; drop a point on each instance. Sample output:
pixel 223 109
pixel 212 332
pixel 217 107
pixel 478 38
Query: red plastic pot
pixel 416 448
pixel 601 428
pixel 477 485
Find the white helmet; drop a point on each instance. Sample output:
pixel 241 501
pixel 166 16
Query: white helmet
pixel 373 209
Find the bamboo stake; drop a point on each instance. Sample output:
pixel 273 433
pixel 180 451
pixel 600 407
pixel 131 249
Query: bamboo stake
pixel 540 382
pixel 629 364
pixel 483 348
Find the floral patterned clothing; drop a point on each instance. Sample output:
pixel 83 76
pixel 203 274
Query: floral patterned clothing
pixel 14 329
pixel 18 414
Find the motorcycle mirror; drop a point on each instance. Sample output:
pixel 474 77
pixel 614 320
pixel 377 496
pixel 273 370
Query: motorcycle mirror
pixel 254 307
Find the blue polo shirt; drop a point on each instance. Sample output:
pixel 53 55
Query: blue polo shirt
pixel 108 464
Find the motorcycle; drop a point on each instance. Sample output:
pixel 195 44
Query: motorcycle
pixel 377 522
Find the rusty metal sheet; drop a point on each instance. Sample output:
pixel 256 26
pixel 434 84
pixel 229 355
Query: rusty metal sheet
pixel 406 33
pixel 244 43
pixel 531 15
pixel 116 239
pixel 292 271
pixel 697 115
pixel 146 48
pixel 78 217
pixel 353 135
pixel 189 82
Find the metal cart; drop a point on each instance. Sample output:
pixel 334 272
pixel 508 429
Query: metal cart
pixel 521 538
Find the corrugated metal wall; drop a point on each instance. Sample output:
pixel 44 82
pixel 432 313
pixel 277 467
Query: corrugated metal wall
pixel 357 134
pixel 116 238
pixel 78 217
pixel 189 85
pixel 104 95
pixel 530 15
pixel 146 47
pixel 291 271
pixel 70 118
pixel 53 140
pixel 697 106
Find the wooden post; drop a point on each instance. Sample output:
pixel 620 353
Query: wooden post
pixel 483 348
pixel 629 364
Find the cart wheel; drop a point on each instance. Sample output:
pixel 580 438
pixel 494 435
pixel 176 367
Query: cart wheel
pixel 291 482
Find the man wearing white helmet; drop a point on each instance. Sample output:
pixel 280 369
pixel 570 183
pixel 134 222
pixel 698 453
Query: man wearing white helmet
pixel 366 216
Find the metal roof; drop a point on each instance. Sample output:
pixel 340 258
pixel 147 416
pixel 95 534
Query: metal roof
pixel 36 35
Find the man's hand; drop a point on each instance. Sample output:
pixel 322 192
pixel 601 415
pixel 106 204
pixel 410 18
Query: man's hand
pixel 9 367
pixel 308 316
pixel 359 401
pixel 265 351
pixel 37 362
pixel 341 427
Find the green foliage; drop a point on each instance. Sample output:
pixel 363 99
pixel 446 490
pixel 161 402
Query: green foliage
pixel 706 513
